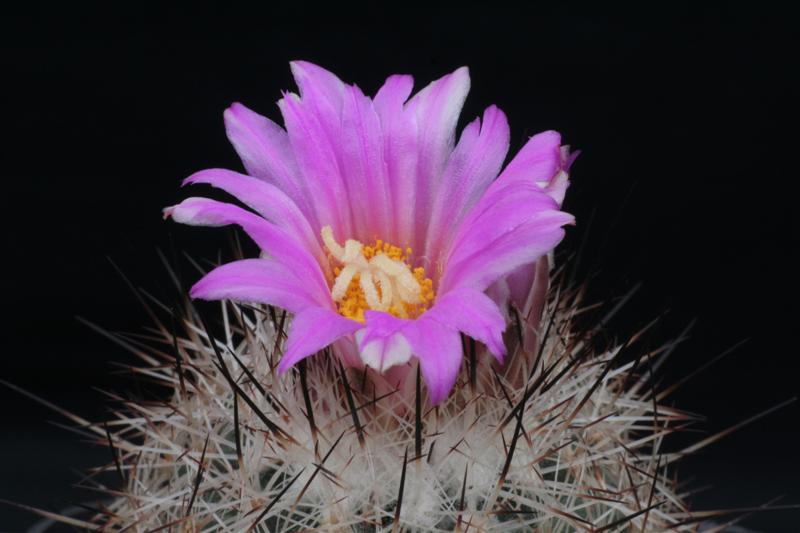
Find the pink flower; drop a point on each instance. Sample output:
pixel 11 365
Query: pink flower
pixel 377 226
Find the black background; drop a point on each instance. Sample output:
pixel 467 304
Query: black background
pixel 688 164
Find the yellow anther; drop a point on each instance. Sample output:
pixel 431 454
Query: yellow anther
pixel 377 277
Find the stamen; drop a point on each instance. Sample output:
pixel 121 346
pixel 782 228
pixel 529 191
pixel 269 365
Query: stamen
pixel 376 277
pixel 386 295
pixel 370 292
pixel 391 267
pixel 342 282
pixel 331 244
pixel 352 252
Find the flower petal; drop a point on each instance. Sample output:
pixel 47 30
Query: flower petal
pixel 500 295
pixel 269 237
pixel 383 351
pixel 399 128
pixel 265 199
pixel 316 152
pixel 318 85
pixel 438 348
pixel 312 330
pixel 436 345
pixel 557 188
pixel 393 94
pixel 381 345
pixel 528 286
pixel 537 162
pixel 544 164
pixel 313 121
pixel 264 149
pixel 436 108
pixel 473 313
pixel 434 337
pixel 472 166
pixel 259 280
pixel 362 164
pixel 518 245
pixel 488 221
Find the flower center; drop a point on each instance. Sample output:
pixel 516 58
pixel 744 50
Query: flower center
pixel 377 277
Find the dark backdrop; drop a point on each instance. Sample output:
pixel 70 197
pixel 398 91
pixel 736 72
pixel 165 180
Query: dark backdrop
pixel 685 183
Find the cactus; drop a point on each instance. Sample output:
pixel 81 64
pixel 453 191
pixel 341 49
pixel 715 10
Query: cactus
pixel 566 436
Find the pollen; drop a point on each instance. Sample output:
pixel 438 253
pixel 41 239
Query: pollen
pixel 376 277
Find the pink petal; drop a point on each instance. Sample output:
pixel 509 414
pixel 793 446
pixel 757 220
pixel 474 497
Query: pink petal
pixel 522 244
pixel 472 166
pixel 488 221
pixel 314 123
pixel 380 325
pixel 500 295
pixel 438 348
pixel 393 94
pixel 259 280
pixel 266 200
pixel 557 188
pixel 400 154
pixel 312 330
pixel 316 152
pixel 544 164
pixel 436 108
pixel 528 286
pixel 381 344
pixel 537 162
pixel 264 149
pixel 537 300
pixel 361 155
pixel 389 340
pixel 473 313
pixel 269 237
pixel 317 85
